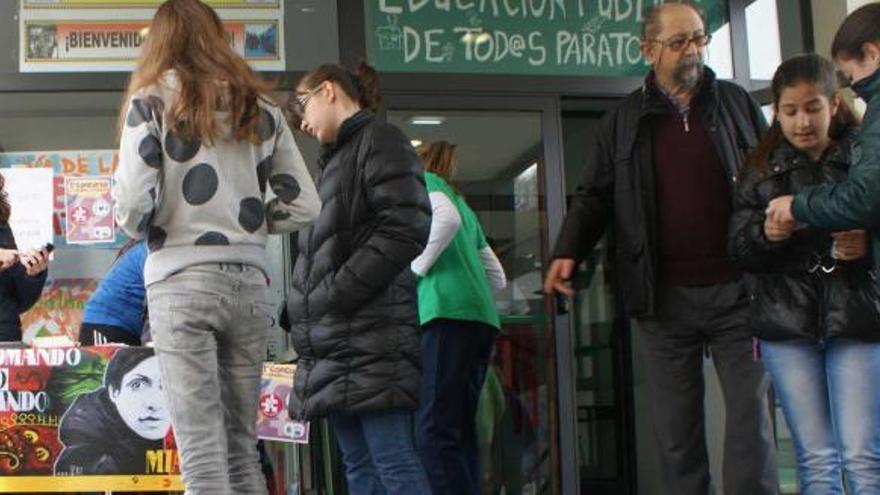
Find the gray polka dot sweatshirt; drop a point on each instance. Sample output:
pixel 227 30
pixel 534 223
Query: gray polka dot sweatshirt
pixel 199 202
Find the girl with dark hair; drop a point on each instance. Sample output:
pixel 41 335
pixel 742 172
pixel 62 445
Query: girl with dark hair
pixel 353 306
pixel 22 276
pixel 813 297
pixel 855 202
pixel 200 142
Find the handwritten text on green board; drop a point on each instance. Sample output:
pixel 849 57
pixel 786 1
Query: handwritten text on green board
pixel 541 37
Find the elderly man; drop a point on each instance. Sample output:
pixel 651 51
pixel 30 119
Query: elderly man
pixel 661 174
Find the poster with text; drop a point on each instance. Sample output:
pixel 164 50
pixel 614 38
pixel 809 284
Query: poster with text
pixel 84 419
pixel 30 197
pixel 89 210
pixel 122 4
pixel 273 422
pixel 96 40
pixel 64 164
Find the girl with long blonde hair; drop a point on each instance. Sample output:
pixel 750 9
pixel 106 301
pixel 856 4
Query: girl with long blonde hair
pixel 200 143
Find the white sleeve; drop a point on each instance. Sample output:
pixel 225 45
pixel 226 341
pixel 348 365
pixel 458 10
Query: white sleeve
pixel 445 222
pixel 137 180
pixel 494 270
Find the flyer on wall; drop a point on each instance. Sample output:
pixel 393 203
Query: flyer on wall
pixel 102 40
pixel 62 165
pixel 89 210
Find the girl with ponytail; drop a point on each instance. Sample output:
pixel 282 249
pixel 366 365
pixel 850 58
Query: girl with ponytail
pixel 353 302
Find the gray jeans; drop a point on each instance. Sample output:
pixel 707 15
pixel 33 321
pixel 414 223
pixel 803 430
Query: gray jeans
pixel 687 321
pixel 209 325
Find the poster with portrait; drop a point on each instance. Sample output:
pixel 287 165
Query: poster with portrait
pixel 89 210
pixel 94 419
pixel 84 419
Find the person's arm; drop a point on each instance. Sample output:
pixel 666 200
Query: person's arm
pixel 494 270
pixel 137 179
pixel 590 208
pixel 445 222
pixel 855 202
pixel 296 203
pixel 396 194
pixel 748 246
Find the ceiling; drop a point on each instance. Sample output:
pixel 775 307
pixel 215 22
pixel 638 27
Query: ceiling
pixel 488 143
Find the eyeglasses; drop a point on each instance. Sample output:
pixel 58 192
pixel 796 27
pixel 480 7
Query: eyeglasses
pixel 679 43
pixel 300 101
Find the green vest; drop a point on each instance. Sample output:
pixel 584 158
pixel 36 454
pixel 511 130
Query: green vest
pixel 456 287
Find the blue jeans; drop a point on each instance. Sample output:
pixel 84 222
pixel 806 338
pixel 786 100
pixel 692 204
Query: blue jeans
pixel 379 453
pixel 455 355
pixel 831 400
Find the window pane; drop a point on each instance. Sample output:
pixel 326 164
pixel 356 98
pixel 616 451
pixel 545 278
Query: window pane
pixel 762 29
pixel 719 55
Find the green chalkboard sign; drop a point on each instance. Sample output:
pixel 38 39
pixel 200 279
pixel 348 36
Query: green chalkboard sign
pixel 537 37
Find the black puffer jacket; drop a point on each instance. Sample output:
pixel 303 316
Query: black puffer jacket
pixel 618 188
pixel 353 304
pixel 18 291
pixel 793 297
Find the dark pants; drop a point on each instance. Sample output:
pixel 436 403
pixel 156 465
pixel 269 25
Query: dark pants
pixel 687 321
pixel 97 334
pixel 455 354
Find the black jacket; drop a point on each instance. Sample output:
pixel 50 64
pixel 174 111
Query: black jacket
pixel 18 291
pixel 792 296
pixel 353 304
pixel 619 188
pixel 97 441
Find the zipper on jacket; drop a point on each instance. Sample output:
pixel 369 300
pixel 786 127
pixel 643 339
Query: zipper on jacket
pixel 684 119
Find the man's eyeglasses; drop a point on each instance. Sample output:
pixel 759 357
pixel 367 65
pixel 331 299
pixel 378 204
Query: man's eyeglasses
pixel 679 43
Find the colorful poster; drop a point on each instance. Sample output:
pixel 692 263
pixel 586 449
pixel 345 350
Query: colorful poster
pixel 59 309
pixel 121 4
pixel 30 196
pixel 67 164
pixel 93 40
pixel 84 419
pixel 93 419
pixel 273 422
pixel 89 210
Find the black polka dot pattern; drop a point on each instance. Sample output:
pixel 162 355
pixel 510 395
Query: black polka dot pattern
pixel 285 187
pixel 267 125
pixel 156 238
pixel 200 184
pixel 263 170
pixel 180 149
pixel 212 239
pixel 144 110
pixel 139 113
pixel 250 214
pixel 145 221
pixel 280 216
pixel 150 151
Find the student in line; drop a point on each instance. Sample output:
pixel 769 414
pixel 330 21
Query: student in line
pixel 201 141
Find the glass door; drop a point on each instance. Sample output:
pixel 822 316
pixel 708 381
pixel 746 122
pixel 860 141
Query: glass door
pixel 504 172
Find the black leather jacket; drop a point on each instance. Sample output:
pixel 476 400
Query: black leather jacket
pixel 798 290
pixel 618 187
pixel 353 305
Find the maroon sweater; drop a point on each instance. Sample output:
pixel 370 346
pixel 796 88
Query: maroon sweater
pixel 693 201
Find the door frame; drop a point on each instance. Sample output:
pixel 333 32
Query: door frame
pixel 552 183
